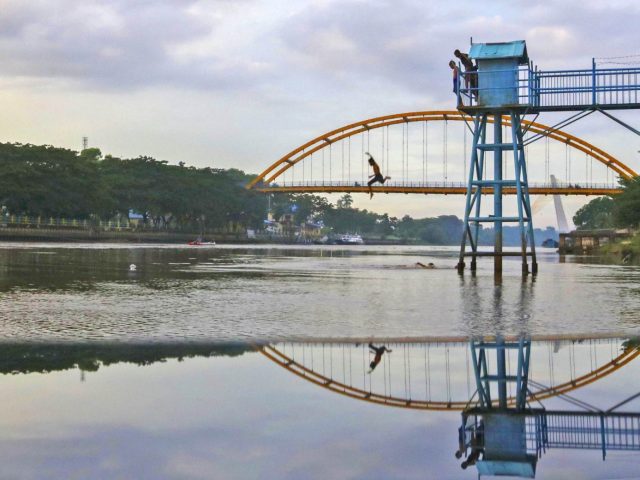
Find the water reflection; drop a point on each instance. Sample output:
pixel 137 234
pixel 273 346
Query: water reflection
pixel 506 427
pixel 514 400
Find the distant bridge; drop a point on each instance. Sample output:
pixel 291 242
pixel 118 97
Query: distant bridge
pixel 403 146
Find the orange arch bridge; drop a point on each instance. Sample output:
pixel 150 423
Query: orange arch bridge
pixel 430 369
pixel 272 179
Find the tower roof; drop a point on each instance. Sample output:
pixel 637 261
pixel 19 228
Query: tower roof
pixel 493 51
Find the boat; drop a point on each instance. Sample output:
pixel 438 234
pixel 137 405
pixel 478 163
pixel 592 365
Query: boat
pixel 349 239
pixel 200 242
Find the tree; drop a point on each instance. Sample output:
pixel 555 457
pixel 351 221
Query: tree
pixel 627 204
pixel 345 201
pixel 598 213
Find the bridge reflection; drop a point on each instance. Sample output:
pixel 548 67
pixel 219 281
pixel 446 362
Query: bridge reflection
pixel 497 384
pixel 438 375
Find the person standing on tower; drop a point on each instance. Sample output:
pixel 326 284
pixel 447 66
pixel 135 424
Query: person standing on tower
pixel 456 73
pixel 376 177
pixel 470 75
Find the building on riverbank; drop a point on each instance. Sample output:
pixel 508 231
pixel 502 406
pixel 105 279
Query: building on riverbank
pixel 586 241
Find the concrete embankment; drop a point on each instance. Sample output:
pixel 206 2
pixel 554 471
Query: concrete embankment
pixel 86 235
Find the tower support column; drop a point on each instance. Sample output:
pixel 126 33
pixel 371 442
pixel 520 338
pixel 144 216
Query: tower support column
pixel 478 183
pixel 497 195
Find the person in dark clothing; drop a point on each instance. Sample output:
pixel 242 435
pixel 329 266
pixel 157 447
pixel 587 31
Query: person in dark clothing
pixel 470 71
pixel 377 175
pixel 379 351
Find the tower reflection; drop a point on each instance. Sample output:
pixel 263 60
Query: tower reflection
pixel 500 385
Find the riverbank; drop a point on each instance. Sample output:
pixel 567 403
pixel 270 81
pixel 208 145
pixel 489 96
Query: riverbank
pixel 133 236
pixel 622 252
pixel 9 234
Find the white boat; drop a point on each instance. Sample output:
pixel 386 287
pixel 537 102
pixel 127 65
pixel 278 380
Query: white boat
pixel 350 239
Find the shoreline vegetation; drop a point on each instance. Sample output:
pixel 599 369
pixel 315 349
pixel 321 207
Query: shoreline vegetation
pixel 623 252
pixel 57 194
pixel 610 213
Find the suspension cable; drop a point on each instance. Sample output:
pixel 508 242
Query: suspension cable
pixel 387 128
pixel 342 159
pixel 424 123
pixel 402 156
pixel 330 162
pixel 362 162
pixel 546 160
pixel 426 151
pixel 444 150
pixel 407 169
pixel 349 160
pixel 382 149
pixel 464 154
pixel 323 177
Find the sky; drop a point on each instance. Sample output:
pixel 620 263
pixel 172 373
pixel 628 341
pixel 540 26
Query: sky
pixel 224 83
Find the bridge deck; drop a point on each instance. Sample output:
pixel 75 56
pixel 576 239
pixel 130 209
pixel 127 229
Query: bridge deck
pixel 558 90
pixel 436 188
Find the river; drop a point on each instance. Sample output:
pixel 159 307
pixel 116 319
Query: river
pixel 259 362
pixel 228 293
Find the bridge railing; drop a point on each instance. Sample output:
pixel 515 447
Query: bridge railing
pixel 435 184
pixel 559 89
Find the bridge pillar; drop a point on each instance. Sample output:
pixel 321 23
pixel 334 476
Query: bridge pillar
pixel 497 195
pixel 478 184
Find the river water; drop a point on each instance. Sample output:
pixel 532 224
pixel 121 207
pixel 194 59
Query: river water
pixel 227 293
pixel 259 362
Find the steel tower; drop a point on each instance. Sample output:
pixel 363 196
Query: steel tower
pixel 501 89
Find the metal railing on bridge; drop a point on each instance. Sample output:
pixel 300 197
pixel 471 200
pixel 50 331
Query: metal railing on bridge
pixel 437 187
pixel 559 90
pixel 546 429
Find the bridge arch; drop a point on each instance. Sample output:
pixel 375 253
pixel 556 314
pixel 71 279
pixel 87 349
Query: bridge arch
pixel 276 170
pixel 337 375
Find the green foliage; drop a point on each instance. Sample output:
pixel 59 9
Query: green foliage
pixel 49 181
pixel 627 204
pixel 45 180
pixel 303 206
pixel 598 213
pixel 346 201
pixel 443 230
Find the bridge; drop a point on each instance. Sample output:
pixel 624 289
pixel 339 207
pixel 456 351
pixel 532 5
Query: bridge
pixel 505 428
pixel 501 88
pixel 404 144
pixel 433 374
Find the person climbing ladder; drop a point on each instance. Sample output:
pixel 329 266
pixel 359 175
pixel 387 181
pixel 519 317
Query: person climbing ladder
pixel 377 175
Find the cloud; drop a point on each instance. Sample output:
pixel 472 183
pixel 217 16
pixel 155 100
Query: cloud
pixel 119 45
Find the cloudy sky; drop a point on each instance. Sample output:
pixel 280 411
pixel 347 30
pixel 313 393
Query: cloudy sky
pixel 239 83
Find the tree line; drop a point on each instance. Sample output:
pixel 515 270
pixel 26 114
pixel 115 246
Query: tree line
pixel 619 211
pixel 56 182
pixel 50 181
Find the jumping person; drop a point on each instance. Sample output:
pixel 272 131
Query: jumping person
pixel 376 177
pixel 379 351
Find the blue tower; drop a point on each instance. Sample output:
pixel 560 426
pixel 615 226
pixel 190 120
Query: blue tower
pixel 504 88
pixel 492 95
pixel 504 435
